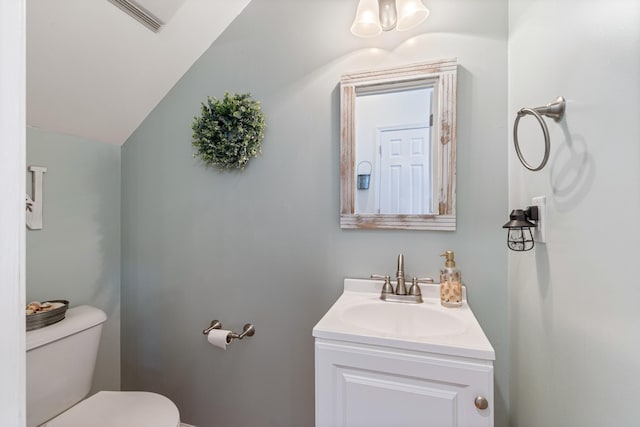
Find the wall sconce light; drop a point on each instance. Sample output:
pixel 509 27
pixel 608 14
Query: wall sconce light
pixel 520 237
pixel 375 16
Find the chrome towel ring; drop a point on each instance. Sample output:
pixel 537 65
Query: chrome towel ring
pixel 555 110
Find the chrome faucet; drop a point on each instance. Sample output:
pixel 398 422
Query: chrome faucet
pixel 401 288
pixel 400 294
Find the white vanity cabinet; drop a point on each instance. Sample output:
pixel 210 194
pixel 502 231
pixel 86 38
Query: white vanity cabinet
pixel 432 367
pixel 367 386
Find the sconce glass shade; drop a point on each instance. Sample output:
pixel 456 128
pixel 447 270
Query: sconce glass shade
pixel 367 20
pixel 410 14
pixel 519 237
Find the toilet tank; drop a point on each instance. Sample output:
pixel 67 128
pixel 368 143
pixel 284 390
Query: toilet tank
pixel 60 362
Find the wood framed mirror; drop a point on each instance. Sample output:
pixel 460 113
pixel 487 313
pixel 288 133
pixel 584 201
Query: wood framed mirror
pixel 398 147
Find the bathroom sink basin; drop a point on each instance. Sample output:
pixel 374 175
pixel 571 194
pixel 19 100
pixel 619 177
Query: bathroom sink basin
pixel 403 320
pixel 360 316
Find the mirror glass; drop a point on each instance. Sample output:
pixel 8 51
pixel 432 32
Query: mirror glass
pixel 398 147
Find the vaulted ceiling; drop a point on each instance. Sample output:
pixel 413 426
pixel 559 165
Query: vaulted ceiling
pixel 95 72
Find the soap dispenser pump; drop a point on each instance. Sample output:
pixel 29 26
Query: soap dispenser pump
pixel 450 282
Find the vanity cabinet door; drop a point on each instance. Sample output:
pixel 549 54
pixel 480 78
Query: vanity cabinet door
pixel 369 386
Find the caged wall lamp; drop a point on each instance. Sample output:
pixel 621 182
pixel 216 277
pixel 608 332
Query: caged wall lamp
pixel 519 237
pixel 375 16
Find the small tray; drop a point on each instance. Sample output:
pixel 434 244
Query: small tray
pixel 46 318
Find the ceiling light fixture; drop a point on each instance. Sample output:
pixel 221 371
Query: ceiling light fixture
pixel 375 16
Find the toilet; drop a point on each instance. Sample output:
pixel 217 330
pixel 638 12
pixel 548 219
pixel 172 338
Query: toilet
pixel 60 363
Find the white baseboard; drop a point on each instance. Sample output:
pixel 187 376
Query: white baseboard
pixel 186 425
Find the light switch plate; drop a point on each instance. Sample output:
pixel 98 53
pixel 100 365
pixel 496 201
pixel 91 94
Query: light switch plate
pixel 540 232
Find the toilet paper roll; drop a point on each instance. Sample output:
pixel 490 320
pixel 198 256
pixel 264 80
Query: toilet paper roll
pixel 219 338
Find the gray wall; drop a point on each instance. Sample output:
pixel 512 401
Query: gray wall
pixel 76 256
pixel 574 301
pixel 264 245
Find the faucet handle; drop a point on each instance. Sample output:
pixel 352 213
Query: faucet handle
pixel 386 288
pixel 415 289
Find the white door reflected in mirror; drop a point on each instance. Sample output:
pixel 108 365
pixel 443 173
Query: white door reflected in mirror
pixel 405 171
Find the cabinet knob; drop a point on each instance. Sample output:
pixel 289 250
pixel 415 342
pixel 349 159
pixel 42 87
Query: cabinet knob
pixel 481 402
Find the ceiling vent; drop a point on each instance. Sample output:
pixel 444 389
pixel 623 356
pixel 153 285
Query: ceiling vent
pixel 140 14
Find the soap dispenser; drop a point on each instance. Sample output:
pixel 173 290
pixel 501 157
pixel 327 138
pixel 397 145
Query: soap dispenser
pixel 450 282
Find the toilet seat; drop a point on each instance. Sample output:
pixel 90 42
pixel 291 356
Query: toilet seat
pixel 120 409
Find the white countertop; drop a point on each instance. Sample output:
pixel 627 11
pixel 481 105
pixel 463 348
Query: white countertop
pixel 464 338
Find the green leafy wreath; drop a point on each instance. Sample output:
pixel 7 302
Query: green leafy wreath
pixel 229 131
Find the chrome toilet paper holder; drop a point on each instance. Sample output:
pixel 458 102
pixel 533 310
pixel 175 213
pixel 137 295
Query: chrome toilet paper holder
pixel 247 331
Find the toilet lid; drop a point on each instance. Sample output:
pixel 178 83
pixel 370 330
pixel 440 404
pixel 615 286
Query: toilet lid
pixel 120 409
